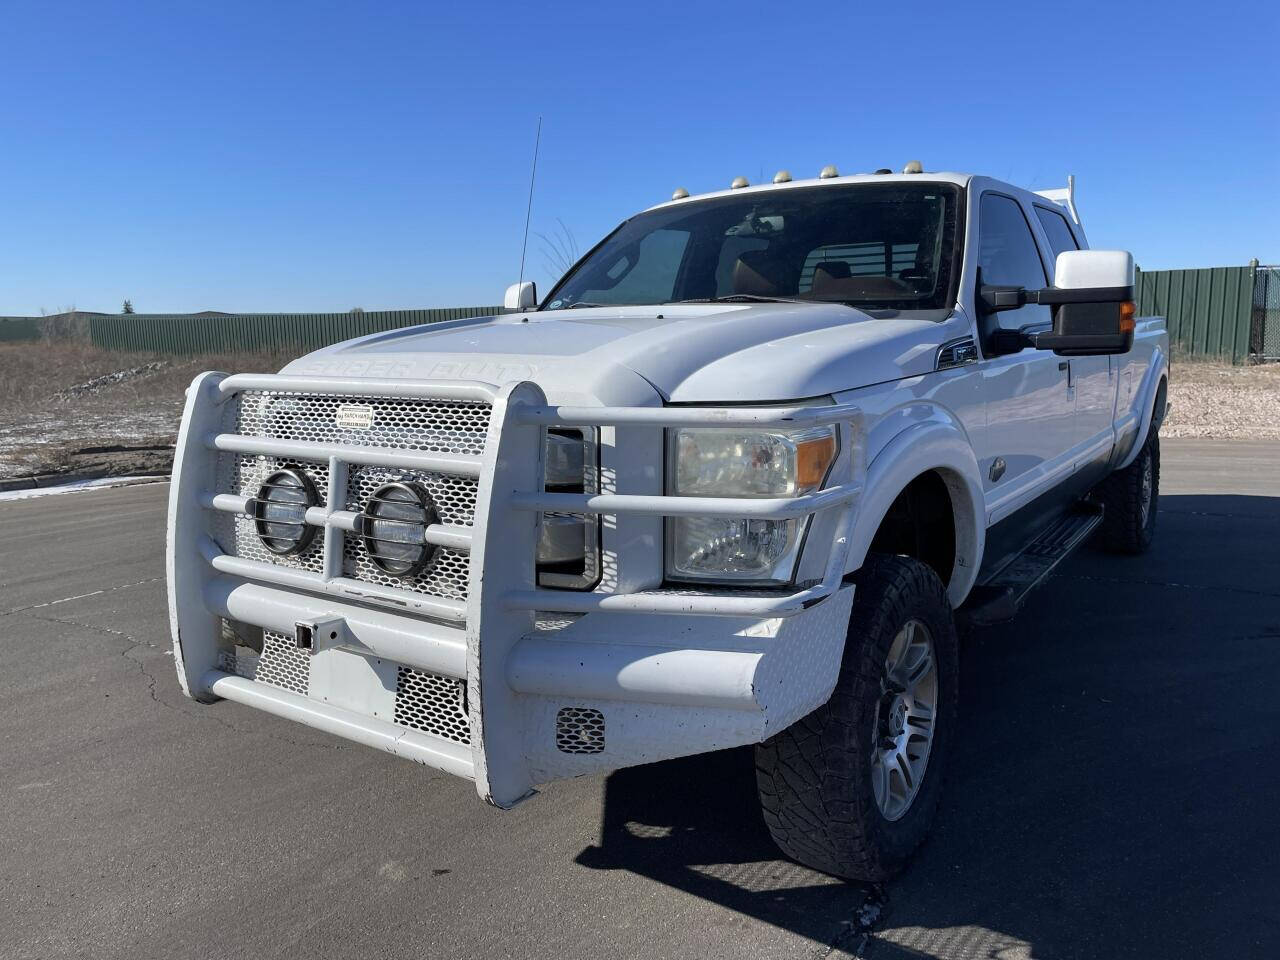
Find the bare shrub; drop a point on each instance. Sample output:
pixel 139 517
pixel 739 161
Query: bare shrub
pixel 70 324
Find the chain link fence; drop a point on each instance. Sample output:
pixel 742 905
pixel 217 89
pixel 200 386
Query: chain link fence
pixel 1264 329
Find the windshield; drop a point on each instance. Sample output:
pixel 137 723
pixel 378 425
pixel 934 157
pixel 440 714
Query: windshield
pixel 871 245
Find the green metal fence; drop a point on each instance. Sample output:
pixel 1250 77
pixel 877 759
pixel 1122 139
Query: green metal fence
pixel 1209 311
pixel 19 328
pixel 231 333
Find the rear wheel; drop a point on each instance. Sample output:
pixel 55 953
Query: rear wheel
pixel 852 788
pixel 1130 498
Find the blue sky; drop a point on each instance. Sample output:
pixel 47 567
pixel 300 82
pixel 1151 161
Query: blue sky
pixel 322 156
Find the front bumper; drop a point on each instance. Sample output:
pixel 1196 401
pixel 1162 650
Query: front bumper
pixel 550 683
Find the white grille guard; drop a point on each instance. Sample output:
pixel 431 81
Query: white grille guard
pixel 470 640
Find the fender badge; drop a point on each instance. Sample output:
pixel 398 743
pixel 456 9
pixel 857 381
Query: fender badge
pixel 997 469
pixel 354 416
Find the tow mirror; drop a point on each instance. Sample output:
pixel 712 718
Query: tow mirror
pixel 520 296
pixel 1092 301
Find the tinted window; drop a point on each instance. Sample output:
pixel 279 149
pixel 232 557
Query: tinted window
pixel 1008 255
pixel 1057 230
pixel 645 273
pixel 871 245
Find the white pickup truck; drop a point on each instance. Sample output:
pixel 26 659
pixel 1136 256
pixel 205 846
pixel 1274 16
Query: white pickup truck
pixel 733 481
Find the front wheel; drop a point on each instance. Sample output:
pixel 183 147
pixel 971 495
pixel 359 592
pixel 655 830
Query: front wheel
pixel 852 788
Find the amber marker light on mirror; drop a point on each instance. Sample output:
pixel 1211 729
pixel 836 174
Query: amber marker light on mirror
pixel 1128 316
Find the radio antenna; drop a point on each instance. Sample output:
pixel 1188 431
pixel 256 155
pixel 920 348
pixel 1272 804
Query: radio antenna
pixel 528 214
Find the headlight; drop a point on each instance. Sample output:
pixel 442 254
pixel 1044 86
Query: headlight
pixel 280 510
pixel 736 463
pixel 393 528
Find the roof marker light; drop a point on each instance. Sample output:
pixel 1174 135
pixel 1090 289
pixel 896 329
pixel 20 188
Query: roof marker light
pixel 739 183
pixel 680 193
pixel 828 172
pixel 913 167
pixel 883 170
pixel 782 176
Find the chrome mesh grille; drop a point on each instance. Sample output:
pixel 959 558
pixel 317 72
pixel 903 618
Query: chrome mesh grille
pixel 280 664
pixel 447 573
pixel 436 426
pixel 433 426
pixel 432 704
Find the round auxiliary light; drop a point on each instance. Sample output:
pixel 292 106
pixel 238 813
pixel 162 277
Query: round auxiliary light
pixel 782 176
pixel 913 166
pixel 739 183
pixel 393 528
pixel 828 172
pixel 280 512
pixel 680 193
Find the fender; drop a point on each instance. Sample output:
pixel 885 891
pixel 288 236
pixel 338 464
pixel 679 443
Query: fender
pixel 917 450
pixel 1157 375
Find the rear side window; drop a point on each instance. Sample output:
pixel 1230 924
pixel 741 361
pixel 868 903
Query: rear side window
pixel 879 258
pixel 1008 255
pixel 1058 230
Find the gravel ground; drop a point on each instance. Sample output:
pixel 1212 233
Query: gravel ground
pixel 1223 402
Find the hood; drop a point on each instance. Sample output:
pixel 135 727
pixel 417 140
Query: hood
pixel 687 352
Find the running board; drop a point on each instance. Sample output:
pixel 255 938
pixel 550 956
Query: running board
pixel 1000 598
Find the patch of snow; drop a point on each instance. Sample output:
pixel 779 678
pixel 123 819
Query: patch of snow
pixel 79 486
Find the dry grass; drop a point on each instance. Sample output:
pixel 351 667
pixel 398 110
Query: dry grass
pixel 66 406
pixel 1215 399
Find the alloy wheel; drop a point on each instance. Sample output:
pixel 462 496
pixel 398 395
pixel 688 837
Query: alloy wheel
pixel 905 717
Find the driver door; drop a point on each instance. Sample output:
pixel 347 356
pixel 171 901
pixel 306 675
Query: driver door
pixel 1029 400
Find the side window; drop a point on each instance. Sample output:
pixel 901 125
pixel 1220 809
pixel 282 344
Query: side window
pixel 1057 230
pixel 645 273
pixel 1007 254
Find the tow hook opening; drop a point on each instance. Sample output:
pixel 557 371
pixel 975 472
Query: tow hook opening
pixel 315 635
pixel 304 636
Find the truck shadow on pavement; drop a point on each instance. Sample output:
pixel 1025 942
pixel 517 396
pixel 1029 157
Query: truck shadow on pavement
pixel 1113 789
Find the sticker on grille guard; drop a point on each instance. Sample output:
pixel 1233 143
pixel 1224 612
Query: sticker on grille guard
pixel 354 416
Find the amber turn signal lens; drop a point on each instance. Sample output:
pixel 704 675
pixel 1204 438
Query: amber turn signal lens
pixel 813 460
pixel 1128 313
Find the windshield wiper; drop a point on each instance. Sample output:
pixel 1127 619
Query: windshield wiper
pixel 744 298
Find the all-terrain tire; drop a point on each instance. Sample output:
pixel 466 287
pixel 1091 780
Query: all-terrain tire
pixel 815 777
pixel 1130 498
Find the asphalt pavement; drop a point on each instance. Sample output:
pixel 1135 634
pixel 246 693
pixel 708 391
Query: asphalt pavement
pixel 1114 791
